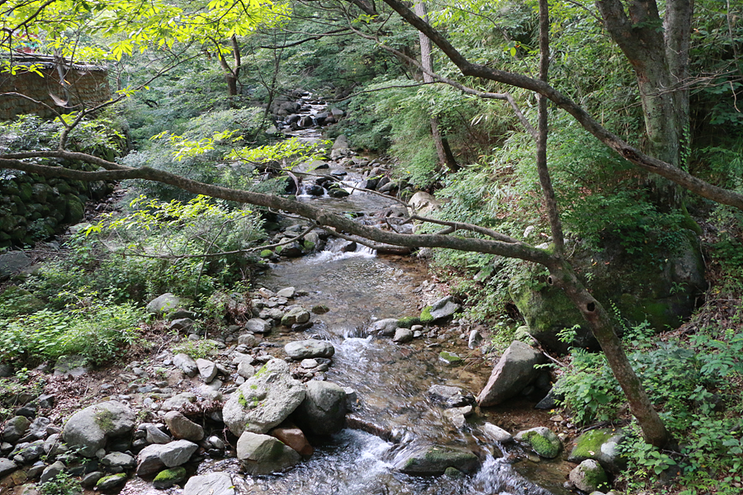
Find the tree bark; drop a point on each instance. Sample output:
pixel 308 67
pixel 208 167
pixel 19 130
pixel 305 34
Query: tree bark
pixel 563 275
pixel 653 430
pixel 231 74
pixel 658 51
pixel 445 158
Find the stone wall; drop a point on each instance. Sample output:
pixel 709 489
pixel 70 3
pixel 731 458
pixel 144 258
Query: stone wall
pixel 85 85
pixel 34 208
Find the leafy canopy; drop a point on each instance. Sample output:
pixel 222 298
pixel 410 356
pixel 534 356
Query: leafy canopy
pixel 105 30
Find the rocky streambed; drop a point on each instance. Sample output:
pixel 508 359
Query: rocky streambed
pixel 343 372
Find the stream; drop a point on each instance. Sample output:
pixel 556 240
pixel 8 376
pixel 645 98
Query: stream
pixel 391 381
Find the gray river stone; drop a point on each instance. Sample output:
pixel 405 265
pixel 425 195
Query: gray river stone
pixel 155 457
pixel 304 349
pixel 212 483
pixel 15 428
pixel 287 292
pixel 264 400
pixel 514 372
pixel 186 364
pixel 50 472
pixel 7 466
pixel 295 314
pixel 403 335
pixel 323 411
pixel 258 325
pixel 178 401
pixel 497 433
pixel 156 435
pixel 183 428
pixel 119 461
pixel 435 459
pixel 264 454
pixel 450 396
pixel 207 370
pixel 164 303
pixel 385 328
pixel 444 308
pixel 90 428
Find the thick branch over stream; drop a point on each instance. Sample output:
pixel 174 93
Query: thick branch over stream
pixel 321 217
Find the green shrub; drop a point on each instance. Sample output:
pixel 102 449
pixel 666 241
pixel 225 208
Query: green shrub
pixel 99 332
pixel 196 349
pixel 62 484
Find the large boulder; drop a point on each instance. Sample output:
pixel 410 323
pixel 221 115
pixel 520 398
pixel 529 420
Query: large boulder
pixel 89 429
pixel 323 411
pixel 264 454
pixel 602 445
pixel 423 203
pixel 164 304
pixel 435 459
pixel 212 483
pixel 304 349
pixel 514 372
pixel 660 286
pixel 13 262
pixel 264 400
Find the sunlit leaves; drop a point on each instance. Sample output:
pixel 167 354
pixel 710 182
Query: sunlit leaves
pixel 69 27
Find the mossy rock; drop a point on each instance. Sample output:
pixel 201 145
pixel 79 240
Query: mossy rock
pixel 660 285
pixel 408 321
pixel 589 476
pixel 20 301
pixel 111 484
pixel 170 477
pixel 266 253
pixel 450 358
pixel 75 209
pixel 602 445
pixel 543 441
pixel 426 317
pixel 435 460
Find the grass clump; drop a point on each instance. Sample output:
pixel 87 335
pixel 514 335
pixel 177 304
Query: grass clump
pixel 99 332
pixel 196 349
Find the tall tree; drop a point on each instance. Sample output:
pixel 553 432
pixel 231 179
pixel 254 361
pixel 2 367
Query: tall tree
pixel 658 50
pixel 442 146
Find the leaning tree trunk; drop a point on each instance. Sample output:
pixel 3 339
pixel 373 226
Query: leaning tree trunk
pixel 563 276
pixel 442 149
pixel 653 430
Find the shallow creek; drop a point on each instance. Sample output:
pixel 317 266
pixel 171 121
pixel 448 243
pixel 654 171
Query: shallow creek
pixel 391 381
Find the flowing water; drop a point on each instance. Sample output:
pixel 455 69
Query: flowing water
pixel 391 381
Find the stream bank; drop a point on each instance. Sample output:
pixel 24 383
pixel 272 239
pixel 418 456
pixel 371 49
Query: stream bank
pixel 393 412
